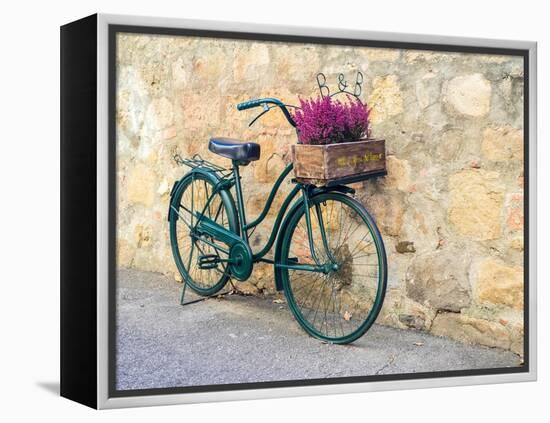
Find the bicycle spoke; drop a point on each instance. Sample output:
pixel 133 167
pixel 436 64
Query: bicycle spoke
pixel 313 284
pixel 191 255
pixel 320 296
pixel 181 217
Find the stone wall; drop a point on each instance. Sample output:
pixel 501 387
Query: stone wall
pixel 450 209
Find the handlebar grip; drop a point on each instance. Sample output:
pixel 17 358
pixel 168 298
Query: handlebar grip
pixel 250 104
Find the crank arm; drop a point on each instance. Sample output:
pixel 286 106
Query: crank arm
pixel 211 261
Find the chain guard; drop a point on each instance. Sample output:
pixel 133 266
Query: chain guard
pixel 241 261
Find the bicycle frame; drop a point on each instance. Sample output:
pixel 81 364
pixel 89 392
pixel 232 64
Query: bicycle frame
pixel 267 207
pixel 205 225
pixel 241 212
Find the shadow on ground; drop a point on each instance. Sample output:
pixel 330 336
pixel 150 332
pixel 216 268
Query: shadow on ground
pixel 51 387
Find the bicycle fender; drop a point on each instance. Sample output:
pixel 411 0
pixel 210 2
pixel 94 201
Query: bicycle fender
pixel 339 188
pixel 172 191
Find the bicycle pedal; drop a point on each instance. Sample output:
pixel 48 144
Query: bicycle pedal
pixel 208 261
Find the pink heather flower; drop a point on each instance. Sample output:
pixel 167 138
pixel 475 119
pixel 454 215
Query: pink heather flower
pixel 328 121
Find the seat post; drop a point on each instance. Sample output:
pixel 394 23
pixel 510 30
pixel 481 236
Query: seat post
pixel 240 200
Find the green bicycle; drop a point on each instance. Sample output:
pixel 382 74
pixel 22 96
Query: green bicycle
pixel 329 255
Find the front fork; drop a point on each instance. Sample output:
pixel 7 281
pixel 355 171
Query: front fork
pixel 306 195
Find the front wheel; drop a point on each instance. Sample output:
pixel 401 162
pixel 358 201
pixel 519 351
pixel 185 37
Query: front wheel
pixel 341 305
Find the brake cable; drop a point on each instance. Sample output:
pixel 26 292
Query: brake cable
pixel 267 109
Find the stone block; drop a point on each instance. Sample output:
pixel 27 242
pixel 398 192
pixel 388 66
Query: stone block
pixel 141 185
pixel 142 236
pixel 475 204
pixel 388 210
pixel 517 338
pixel 385 99
pixel 399 174
pixel 125 253
pixel 403 247
pixel 471 330
pixel 440 279
pixel 502 143
pixel 381 54
pixel 499 284
pixel 160 113
pixel 469 95
pixel 514 213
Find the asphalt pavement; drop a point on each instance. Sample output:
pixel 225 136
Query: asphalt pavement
pixel 240 339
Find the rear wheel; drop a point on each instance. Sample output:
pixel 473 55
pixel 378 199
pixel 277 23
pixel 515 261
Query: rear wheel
pixel 341 305
pixel 188 202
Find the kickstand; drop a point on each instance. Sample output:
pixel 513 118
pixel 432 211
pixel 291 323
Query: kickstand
pixel 183 292
pixel 216 295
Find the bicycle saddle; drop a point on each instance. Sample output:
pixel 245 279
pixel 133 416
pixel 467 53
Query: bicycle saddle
pixel 234 149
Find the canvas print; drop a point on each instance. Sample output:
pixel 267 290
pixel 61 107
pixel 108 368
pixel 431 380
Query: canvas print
pixel 297 211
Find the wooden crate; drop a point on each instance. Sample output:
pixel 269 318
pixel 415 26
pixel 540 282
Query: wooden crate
pixel 322 164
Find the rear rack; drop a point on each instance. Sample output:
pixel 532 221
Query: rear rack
pixel 340 181
pixel 197 161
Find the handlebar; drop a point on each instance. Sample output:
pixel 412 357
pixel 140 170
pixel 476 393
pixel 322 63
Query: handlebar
pixel 253 103
pixel 264 102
